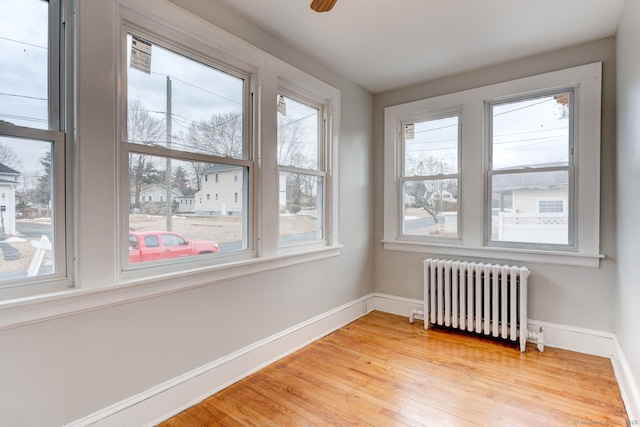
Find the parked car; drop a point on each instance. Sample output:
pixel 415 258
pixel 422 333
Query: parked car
pixel 159 245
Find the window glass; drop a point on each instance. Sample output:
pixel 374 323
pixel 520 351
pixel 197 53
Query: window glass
pixel 301 218
pixel 301 178
pixel 24 63
pixel 29 203
pixel 530 170
pixel 220 220
pixel 185 105
pixel 298 134
pixel 431 147
pixel 533 132
pixel 431 176
pixel 198 111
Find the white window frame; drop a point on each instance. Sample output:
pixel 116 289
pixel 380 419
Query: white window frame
pixel 98 276
pixel 570 168
pixel 200 53
pixel 59 95
pixel 323 169
pixel 586 81
pixel 402 178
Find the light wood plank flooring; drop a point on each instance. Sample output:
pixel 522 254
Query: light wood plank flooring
pixel 382 371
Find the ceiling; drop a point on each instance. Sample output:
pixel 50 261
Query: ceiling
pixel 387 44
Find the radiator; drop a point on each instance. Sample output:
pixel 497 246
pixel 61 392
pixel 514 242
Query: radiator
pixel 483 298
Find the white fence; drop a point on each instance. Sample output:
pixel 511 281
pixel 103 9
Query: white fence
pixel 549 228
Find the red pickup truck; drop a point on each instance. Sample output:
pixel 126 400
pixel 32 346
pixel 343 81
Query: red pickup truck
pixel 159 245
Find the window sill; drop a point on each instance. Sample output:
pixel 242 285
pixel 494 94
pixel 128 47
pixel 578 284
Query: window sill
pixel 501 254
pixel 36 308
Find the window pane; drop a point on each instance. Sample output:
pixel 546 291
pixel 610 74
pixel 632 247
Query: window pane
pixel 531 207
pixel 301 208
pixel 532 132
pixel 297 134
pixel 185 105
pixel 24 62
pixel 26 204
pixel 431 208
pixel 207 225
pixel 431 147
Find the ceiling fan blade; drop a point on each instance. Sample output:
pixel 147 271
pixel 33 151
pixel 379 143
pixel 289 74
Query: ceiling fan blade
pixel 322 5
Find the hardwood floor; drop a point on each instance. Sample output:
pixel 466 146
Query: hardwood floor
pixel 382 371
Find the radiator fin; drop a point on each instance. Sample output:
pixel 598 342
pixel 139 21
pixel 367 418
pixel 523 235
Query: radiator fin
pixel 488 299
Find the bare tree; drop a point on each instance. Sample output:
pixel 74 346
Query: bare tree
pixel 142 128
pixel 428 193
pixel 9 158
pixel 290 134
pixel 220 135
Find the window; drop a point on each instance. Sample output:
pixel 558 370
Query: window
pixel 301 167
pixel 531 146
pixel 211 126
pixel 430 176
pixel 187 118
pixel 32 145
pixel 551 206
pixel 525 184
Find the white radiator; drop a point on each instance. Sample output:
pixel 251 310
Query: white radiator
pixel 483 298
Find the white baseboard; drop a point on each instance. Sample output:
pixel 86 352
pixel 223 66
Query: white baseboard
pixel 581 340
pixel 165 400
pixel 628 387
pixel 396 305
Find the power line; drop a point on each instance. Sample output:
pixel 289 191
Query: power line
pixel 24 43
pixel 24 118
pixel 23 96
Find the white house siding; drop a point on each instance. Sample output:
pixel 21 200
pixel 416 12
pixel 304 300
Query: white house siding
pixel 222 196
pixel 185 204
pixel 527 201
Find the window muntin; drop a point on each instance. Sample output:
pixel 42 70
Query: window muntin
pixel 198 111
pixel 551 206
pixel 32 151
pixel 301 186
pixel 531 159
pixel 430 180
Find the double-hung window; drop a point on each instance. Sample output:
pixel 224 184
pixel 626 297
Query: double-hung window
pixel 301 161
pixel 525 186
pixel 429 181
pixel 531 173
pixel 187 118
pixel 32 145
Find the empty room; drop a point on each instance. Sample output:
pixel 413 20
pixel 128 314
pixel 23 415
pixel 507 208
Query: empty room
pixel 297 212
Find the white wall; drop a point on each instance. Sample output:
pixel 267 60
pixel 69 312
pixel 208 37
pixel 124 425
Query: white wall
pixel 627 294
pixel 56 371
pixel 572 296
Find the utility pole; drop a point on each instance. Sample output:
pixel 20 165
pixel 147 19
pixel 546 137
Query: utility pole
pixel 167 178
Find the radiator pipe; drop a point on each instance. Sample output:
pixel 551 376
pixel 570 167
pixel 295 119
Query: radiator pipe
pixel 415 313
pixel 538 337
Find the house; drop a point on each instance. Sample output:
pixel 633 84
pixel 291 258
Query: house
pixel 131 349
pixel 153 198
pixel 186 204
pixel 220 191
pixel 9 180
